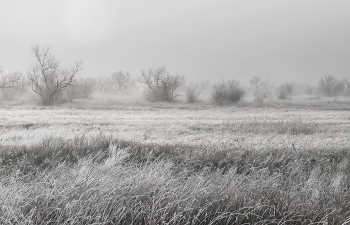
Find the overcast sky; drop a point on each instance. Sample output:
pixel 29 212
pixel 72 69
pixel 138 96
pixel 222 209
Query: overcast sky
pixel 299 40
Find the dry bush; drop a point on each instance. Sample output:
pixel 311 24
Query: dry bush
pixel 123 81
pixel 161 85
pixel 193 90
pixel 286 91
pixel 330 86
pixel 262 89
pixel 82 89
pixel 347 87
pixel 12 85
pixel 105 84
pixel 227 92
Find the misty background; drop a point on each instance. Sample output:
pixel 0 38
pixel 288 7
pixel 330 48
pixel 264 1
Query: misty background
pixel 297 41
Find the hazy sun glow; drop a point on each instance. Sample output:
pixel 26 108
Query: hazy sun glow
pixel 88 22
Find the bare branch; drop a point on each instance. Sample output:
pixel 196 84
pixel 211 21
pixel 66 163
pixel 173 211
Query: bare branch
pixel 11 80
pixel 262 88
pixel 330 86
pixel 47 77
pixel 161 83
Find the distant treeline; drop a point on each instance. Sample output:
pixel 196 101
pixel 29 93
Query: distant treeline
pixel 52 84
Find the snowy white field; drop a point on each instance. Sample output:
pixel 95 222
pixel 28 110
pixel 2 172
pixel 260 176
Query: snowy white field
pixel 247 128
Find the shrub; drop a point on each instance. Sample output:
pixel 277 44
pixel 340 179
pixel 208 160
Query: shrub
pixel 347 87
pixel 83 88
pixel 262 88
pixel 104 84
pixel 193 91
pixel 161 84
pixel 123 82
pixel 11 85
pixel 286 91
pixel 227 92
pixel 282 94
pixel 330 86
pixel 9 94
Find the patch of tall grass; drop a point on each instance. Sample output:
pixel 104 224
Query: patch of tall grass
pixel 293 127
pixel 101 180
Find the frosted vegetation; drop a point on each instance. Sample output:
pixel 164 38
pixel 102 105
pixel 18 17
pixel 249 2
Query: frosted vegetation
pixel 175 164
pixel 160 149
pixel 48 82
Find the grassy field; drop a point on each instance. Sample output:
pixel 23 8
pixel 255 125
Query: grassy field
pixel 175 164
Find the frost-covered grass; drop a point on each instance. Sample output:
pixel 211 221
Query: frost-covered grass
pixel 174 165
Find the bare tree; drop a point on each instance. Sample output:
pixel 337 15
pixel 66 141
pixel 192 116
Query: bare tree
pixel 104 84
pixel 262 88
pixel 194 89
pixel 330 86
pixel 12 85
pixel 123 81
pixel 257 84
pixel 346 87
pixel 347 83
pixel 161 84
pixel 47 78
pixel 11 80
pixel 286 91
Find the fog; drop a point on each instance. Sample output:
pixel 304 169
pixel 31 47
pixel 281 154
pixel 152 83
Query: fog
pixel 297 41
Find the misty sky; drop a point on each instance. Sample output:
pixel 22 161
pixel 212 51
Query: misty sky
pixel 299 40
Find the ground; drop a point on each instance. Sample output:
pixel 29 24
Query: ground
pixel 175 164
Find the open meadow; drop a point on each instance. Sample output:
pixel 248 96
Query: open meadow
pixel 175 164
pixel 174 112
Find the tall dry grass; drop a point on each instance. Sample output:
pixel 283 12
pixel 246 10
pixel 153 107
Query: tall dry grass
pixel 163 164
pixel 101 180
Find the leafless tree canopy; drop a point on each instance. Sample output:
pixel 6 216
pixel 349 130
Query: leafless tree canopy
pixel 162 85
pixel 347 83
pixel 12 85
pixel 262 88
pixel 194 89
pixel 47 78
pixel 286 90
pixel 347 87
pixel 123 81
pixel 12 80
pixel 82 89
pixel 330 86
